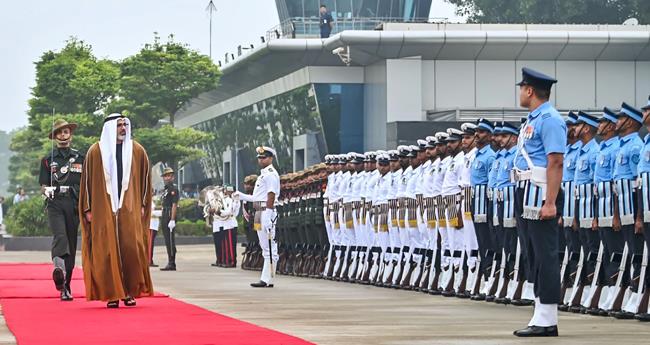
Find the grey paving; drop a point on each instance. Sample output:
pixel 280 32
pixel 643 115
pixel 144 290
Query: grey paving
pixel 327 312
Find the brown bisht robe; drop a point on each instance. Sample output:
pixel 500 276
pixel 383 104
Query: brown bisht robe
pixel 110 237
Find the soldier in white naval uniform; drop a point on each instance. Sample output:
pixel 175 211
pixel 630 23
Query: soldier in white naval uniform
pixel 265 194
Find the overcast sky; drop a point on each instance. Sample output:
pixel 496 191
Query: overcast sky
pixel 119 28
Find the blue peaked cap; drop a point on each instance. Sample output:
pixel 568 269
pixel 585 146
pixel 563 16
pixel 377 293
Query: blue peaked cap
pixel 632 112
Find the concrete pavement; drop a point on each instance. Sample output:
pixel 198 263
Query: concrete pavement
pixel 327 312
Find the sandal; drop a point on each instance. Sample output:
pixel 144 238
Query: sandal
pixel 113 304
pixel 129 302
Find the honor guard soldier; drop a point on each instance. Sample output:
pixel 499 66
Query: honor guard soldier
pixel 429 217
pixel 541 144
pixel 392 256
pixel 441 217
pixel 170 197
pixel 267 190
pixel 331 173
pixel 613 242
pixel 379 214
pixel 452 198
pixel 479 180
pixel 334 198
pixel 643 218
pixel 571 237
pixel 498 261
pixel 628 157
pixel 372 176
pixel 585 163
pixel 59 177
pixel 470 241
pixel 252 252
pixel 411 222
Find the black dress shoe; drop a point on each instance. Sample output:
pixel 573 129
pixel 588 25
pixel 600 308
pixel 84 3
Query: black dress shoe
pixel 66 296
pixel 59 279
pixel 502 300
pixel 522 302
pixel 479 297
pixel 563 307
pixel 435 292
pixel 448 293
pixel 622 315
pixel 575 309
pixel 644 317
pixel 169 268
pixel 261 284
pixel 214 264
pixel 594 311
pixel 536 331
pixel 490 298
pixel 463 295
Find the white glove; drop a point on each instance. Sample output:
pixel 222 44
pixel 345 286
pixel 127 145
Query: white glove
pixel 49 192
pixel 171 225
pixel 235 195
pixel 268 219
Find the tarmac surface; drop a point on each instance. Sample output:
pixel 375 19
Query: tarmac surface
pixel 329 312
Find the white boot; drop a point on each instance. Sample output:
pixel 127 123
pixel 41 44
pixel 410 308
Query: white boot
pixel 387 271
pixel 417 270
pixel 375 267
pixel 267 275
pixel 361 265
pixel 353 266
pixel 337 263
pixel 328 262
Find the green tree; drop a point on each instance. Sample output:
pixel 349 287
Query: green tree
pixel 73 81
pixel 5 155
pixel 156 82
pixel 74 84
pixel 168 144
pixel 553 11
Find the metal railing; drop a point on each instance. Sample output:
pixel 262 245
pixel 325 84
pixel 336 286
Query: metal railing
pixel 513 115
pixel 310 27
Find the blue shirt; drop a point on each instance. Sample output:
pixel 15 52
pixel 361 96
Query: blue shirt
pixel 570 160
pixel 544 134
pixel 481 166
pixel 604 171
pixel 627 157
pixel 503 176
pixel 644 162
pixel 586 162
pixel 494 169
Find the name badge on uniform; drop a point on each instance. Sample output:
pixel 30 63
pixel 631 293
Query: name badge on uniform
pixel 76 168
pixel 647 156
pixel 569 163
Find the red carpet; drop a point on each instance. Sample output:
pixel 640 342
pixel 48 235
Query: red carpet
pixel 37 289
pixel 11 271
pixel 160 321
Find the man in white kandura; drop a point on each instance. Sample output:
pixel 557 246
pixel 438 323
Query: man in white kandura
pixel 265 193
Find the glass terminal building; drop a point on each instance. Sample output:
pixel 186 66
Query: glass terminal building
pixel 398 80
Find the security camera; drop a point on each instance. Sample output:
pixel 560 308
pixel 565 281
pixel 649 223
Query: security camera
pixel 344 54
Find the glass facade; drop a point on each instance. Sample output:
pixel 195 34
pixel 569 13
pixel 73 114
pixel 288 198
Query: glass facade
pixel 333 113
pixel 349 14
